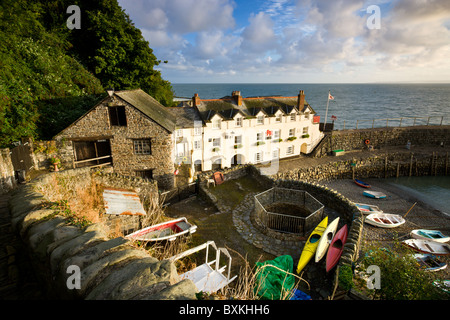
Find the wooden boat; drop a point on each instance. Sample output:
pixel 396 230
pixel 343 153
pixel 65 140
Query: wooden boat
pixel 368 208
pixel 434 235
pixel 428 246
pixel 336 248
pixel 208 277
pixel 429 262
pixel 168 230
pixel 444 285
pixel 385 220
pixel 374 194
pixel 362 183
pixel 311 244
pixel 326 239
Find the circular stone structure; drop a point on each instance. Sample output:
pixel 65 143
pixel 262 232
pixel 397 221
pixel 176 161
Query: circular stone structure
pixel 287 211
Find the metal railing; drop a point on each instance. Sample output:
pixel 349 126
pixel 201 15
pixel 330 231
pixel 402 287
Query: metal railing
pixel 395 122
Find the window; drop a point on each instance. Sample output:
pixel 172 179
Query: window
pixel 197 128
pixel 145 174
pixel 275 154
pixel 216 142
pixel 217 124
pixel 142 146
pixel 260 120
pixel 307 115
pixel 117 116
pixel 291 132
pixel 305 130
pixel 258 157
pixel 290 150
pixel 259 136
pixel 276 134
pixel 179 133
pixel 238 139
pixel 292 116
pixel 197 144
pixel 278 118
pixel 238 122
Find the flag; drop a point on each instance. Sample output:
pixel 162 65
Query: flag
pixel 330 97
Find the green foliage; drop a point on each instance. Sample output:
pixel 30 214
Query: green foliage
pixel 62 208
pixel 346 277
pixel 401 276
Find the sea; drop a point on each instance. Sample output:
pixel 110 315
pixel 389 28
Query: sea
pixel 360 106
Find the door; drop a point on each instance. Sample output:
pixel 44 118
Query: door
pixel 92 153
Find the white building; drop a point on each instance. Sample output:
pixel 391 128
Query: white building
pixel 219 133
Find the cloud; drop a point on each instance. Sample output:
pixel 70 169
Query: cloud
pixel 259 35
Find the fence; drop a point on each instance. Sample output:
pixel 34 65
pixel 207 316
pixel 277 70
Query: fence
pixel 394 122
pixel 287 223
pixel 179 193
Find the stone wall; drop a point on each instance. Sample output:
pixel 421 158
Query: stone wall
pixel 7 177
pixel 108 268
pixel 95 125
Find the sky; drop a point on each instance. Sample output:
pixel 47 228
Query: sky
pixel 296 41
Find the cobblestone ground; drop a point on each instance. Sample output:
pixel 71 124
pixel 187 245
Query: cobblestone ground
pixel 17 281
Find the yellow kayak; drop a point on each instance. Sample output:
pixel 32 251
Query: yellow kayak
pixel 311 244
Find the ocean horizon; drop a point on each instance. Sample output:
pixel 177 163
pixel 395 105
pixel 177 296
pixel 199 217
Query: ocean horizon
pixel 353 104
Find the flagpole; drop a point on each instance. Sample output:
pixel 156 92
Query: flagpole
pixel 326 112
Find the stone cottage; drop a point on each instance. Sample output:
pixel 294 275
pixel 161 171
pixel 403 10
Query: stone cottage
pixel 129 130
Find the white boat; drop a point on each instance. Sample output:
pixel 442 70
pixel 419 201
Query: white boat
pixel 385 220
pixel 428 246
pixel 326 238
pixel 374 194
pixel 205 277
pixel 434 235
pixel 368 208
pixel 429 262
pixel 168 230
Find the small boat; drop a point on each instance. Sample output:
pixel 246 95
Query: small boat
pixel 374 194
pixel 428 246
pixel 434 235
pixel 336 248
pixel 430 262
pixel 168 230
pixel 218 178
pixel 326 239
pixel 368 208
pixel 444 285
pixel 311 244
pixel 385 220
pixel 362 183
pixel 208 277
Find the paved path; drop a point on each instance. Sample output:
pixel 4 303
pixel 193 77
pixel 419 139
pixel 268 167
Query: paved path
pixel 17 281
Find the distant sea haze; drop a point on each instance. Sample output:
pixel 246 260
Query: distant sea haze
pixel 351 102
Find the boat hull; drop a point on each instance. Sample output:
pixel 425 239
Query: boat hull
pixel 374 194
pixel 336 248
pixel 311 244
pixel 433 235
pixel 385 220
pixel 326 239
pixel 429 262
pixel 361 183
pixel 428 246
pixel 168 230
pixel 368 208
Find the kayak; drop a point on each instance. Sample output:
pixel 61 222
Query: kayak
pixel 326 239
pixel 311 244
pixel 336 248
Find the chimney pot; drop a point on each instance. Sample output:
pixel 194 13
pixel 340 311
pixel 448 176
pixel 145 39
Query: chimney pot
pixel 195 100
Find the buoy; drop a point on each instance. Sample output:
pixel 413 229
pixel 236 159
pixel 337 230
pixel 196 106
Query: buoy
pixel 367 141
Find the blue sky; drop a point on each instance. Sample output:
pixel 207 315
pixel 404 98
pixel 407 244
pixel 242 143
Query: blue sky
pixel 296 41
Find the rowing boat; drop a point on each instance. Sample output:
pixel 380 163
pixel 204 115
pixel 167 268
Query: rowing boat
pixel 168 230
pixel 336 248
pixel 434 235
pixel 385 220
pixel 429 262
pixel 368 208
pixel 311 244
pixel 362 183
pixel 326 239
pixel 374 194
pixel 428 246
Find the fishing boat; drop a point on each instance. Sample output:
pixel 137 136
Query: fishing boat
pixel 385 220
pixel 311 244
pixel 368 208
pixel 326 239
pixel 429 262
pixel 336 248
pixel 168 230
pixel 374 194
pixel 428 246
pixel 362 183
pixel 434 235
pixel 209 276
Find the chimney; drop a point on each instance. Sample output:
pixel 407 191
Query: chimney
pixel 301 100
pixel 237 97
pixel 196 100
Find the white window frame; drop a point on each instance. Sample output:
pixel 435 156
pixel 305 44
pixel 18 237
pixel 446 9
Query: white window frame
pixel 293 117
pixel 238 139
pixel 258 157
pixel 197 131
pixel 305 130
pixel 197 144
pixel 292 132
pixel 217 124
pixel 278 118
pixel 290 150
pixel 276 134
pixel 276 153
pixel 260 136
pixel 260 120
pixel 179 133
pixel 216 142
pixel 239 122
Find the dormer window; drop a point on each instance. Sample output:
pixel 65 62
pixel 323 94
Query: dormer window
pixel 307 115
pixel 217 124
pixel 278 118
pixel 260 120
pixel 238 122
pixel 292 116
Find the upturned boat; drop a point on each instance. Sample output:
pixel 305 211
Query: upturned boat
pixel 168 230
pixel 374 194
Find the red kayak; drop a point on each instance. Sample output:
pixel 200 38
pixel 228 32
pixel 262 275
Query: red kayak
pixel 336 247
